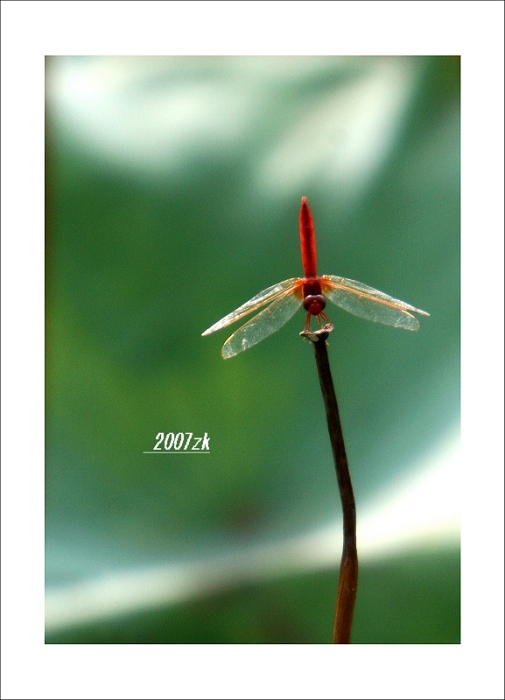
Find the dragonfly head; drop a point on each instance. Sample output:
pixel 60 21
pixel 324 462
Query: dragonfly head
pixel 314 304
pixel 313 301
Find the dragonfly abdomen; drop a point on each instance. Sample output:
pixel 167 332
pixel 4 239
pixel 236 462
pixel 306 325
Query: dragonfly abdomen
pixel 307 240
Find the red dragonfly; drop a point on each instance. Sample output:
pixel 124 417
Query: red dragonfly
pixel 285 298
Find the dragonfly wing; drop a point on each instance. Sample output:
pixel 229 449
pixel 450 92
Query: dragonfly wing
pixel 264 297
pixel 264 324
pixel 369 303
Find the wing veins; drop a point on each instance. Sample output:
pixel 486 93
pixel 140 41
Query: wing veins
pixel 263 324
pixel 267 296
pixel 369 303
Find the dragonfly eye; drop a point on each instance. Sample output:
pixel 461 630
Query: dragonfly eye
pixel 314 304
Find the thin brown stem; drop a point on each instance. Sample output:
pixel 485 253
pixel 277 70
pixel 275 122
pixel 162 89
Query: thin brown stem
pixel 348 578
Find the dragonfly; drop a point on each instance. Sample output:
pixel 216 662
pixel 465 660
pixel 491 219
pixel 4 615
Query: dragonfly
pixel 285 298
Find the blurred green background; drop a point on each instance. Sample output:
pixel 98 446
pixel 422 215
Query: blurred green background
pixel 173 187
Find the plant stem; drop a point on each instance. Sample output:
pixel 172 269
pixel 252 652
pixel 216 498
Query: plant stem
pixel 348 578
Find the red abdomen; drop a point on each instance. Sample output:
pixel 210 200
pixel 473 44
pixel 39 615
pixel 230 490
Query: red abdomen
pixel 307 240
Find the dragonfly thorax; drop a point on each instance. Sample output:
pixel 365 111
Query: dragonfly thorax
pixel 311 287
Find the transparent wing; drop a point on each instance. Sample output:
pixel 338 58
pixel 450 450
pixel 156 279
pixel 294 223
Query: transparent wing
pixel 264 324
pixel 264 297
pixel 369 303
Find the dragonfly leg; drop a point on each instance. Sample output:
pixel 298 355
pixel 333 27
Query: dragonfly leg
pixel 322 317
